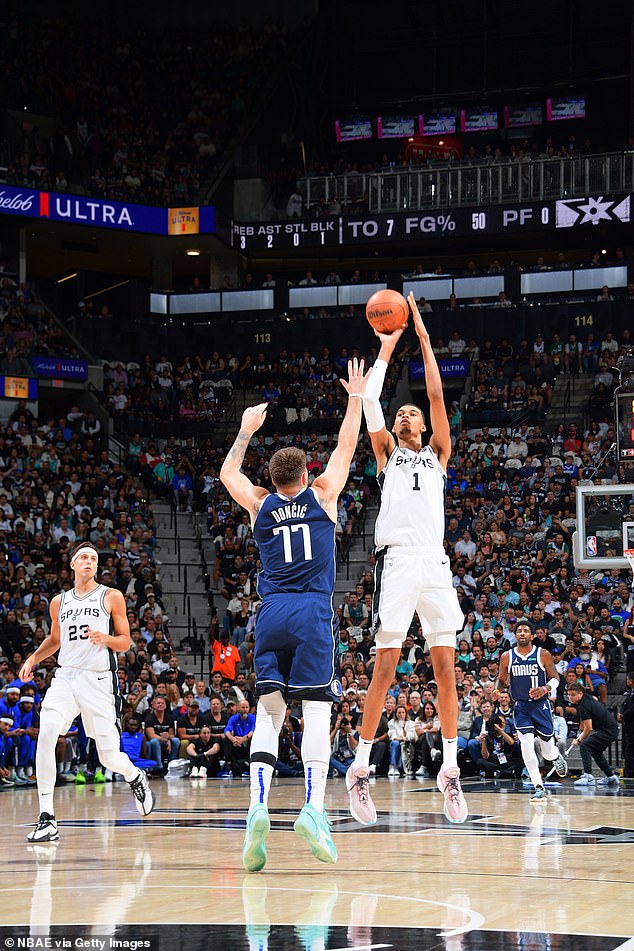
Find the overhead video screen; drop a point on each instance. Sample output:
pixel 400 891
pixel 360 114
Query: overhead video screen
pixel 395 127
pixel 484 119
pixel 515 117
pixel 439 122
pixel 565 107
pixel 349 130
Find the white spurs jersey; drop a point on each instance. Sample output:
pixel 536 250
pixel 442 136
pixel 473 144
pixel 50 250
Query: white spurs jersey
pixel 75 616
pixel 412 510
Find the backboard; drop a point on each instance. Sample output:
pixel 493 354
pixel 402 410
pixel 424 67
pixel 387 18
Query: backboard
pixel 605 525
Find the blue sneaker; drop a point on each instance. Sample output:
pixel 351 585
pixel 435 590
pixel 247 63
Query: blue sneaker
pixel 539 795
pixel 254 847
pixel 315 828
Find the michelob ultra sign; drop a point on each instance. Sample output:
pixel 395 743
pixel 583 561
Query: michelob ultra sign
pixel 183 221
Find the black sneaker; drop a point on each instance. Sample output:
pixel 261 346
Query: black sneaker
pixel 144 797
pixel 45 830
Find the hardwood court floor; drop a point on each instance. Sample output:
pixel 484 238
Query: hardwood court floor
pixel 515 875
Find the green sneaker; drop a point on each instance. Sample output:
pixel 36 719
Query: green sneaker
pixel 315 828
pixel 99 777
pixel 254 847
pixel 80 778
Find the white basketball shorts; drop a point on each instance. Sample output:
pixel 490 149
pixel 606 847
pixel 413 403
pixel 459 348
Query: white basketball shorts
pixel 414 579
pixel 92 693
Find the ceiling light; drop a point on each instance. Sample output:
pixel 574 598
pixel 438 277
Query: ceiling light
pixel 192 252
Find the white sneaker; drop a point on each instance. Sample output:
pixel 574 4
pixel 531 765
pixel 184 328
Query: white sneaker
pixel 612 780
pixel 143 795
pixel 45 830
pixel 195 773
pixel 435 755
pixel 372 769
pixel 202 772
pixel 586 779
pixel 422 772
pixel 393 771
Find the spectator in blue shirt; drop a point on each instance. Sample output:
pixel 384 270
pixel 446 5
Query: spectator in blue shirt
pixel 29 725
pixel 6 748
pixel 238 733
pixel 183 488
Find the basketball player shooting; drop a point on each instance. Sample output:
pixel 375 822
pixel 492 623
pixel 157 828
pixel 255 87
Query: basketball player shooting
pixel 530 674
pixel 412 571
pixel 85 684
pixel 296 643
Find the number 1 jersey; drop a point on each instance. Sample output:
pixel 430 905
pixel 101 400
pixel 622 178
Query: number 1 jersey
pixel 296 538
pixel 75 616
pixel 412 511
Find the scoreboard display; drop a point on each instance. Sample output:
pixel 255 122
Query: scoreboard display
pixel 429 225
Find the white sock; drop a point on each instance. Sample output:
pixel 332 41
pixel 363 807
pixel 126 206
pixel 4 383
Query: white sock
pixel 51 726
pixel 261 775
pixel 60 768
pixel 362 755
pixel 527 742
pixel 270 714
pixel 315 776
pixel 316 750
pixel 449 752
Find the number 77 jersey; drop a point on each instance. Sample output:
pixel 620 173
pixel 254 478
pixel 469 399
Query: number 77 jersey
pixel 296 538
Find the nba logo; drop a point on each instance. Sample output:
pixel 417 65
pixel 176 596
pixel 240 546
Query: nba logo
pixel 591 546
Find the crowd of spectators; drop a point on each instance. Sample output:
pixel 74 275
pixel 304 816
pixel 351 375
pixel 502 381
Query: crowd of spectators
pixel 27 327
pixel 140 116
pixel 302 390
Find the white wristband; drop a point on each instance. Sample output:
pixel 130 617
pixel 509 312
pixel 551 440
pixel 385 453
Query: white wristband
pixel 376 381
pixel 552 684
pixel 373 415
pixel 358 396
pixel 371 401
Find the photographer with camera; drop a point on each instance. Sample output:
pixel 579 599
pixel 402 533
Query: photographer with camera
pixel 499 748
pixel 289 753
pixel 344 743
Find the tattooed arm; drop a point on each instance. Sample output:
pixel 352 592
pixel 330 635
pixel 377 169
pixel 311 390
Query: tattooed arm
pixel 238 484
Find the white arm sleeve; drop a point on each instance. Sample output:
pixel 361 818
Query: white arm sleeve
pixel 371 400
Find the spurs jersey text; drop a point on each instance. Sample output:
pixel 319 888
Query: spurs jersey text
pixel 412 511
pixel 75 616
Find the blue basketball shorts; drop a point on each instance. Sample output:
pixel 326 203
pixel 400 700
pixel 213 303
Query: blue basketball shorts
pixel 297 647
pixel 534 716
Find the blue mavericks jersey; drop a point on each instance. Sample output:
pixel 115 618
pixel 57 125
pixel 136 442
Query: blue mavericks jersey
pixel 526 671
pixel 296 538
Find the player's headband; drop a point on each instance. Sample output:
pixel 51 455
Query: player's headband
pixel 79 551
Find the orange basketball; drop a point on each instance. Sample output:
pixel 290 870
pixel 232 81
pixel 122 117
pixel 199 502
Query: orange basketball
pixel 387 311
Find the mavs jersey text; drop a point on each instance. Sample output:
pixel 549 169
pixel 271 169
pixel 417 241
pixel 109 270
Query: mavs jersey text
pixel 296 538
pixel 412 511
pixel 525 672
pixel 296 647
pixel 75 616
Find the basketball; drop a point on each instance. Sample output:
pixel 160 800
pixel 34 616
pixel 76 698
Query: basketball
pixel 387 311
